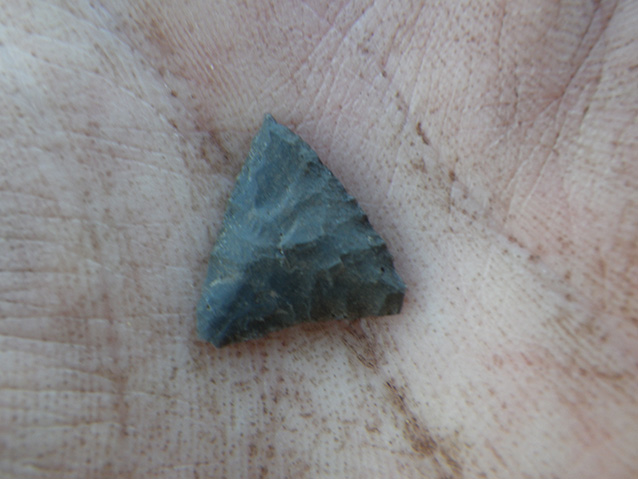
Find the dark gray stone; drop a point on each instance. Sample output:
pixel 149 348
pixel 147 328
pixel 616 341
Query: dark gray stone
pixel 294 247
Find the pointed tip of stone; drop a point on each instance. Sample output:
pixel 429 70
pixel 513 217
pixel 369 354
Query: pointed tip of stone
pixel 294 247
pixel 269 124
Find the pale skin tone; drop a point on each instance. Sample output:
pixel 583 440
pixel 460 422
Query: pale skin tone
pixel 492 147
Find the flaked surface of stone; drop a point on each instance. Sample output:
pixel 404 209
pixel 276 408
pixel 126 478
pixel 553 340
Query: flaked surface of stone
pixel 294 247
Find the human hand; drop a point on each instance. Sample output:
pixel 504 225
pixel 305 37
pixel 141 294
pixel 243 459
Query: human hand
pixel 491 146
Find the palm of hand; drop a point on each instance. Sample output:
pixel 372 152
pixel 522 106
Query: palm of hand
pixel 491 149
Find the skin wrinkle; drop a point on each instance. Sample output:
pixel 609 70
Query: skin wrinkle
pixel 409 99
pixel 326 36
pixel 570 80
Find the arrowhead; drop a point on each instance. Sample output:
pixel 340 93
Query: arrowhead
pixel 294 247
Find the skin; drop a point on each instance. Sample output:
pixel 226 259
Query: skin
pixel 493 146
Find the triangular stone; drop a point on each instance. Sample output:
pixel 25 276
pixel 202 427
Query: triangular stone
pixel 294 247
